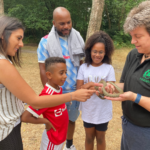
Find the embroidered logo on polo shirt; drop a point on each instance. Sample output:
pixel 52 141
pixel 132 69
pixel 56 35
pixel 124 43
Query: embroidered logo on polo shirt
pixel 146 76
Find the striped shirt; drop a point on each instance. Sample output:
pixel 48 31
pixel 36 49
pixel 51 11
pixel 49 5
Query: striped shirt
pixel 11 109
pixel 70 83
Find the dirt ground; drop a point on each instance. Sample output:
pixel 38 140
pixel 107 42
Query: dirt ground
pixel 31 134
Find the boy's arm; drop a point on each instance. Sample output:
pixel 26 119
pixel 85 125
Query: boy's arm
pixel 29 118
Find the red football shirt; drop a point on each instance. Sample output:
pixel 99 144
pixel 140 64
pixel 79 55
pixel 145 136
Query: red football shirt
pixel 58 116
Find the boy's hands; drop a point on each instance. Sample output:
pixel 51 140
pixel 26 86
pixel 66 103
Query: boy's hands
pixel 29 118
pixel 48 125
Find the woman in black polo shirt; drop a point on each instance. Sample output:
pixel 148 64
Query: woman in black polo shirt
pixel 135 81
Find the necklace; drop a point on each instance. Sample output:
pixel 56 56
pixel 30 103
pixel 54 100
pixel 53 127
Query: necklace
pixel 146 56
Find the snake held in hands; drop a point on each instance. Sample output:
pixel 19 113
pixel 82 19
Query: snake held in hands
pixel 105 93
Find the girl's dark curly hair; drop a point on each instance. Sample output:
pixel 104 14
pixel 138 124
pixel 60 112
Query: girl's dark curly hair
pixel 99 37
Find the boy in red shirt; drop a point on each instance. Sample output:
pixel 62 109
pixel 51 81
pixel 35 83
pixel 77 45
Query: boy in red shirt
pixel 55 118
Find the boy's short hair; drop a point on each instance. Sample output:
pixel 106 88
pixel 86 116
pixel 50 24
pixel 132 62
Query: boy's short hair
pixel 53 60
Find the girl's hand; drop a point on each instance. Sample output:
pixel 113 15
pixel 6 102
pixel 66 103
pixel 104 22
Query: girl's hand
pixel 48 125
pixel 109 88
pixel 91 85
pixel 123 97
pixel 81 95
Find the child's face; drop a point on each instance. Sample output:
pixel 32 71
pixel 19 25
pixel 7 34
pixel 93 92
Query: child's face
pixel 97 54
pixel 58 75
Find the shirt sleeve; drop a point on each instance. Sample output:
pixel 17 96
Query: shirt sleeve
pixel 111 74
pixel 42 51
pixel 80 75
pixel 36 112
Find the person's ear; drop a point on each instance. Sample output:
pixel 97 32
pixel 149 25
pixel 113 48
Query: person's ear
pixel 53 22
pixel 2 37
pixel 48 74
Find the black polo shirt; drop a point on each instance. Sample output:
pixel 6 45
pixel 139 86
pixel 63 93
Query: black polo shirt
pixel 136 78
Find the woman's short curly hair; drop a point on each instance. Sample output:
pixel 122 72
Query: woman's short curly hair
pixel 99 37
pixel 138 16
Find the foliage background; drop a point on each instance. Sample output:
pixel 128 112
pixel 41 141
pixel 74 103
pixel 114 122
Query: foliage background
pixel 36 15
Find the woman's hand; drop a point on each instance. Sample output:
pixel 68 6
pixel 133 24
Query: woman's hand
pixel 109 88
pixel 91 86
pixel 123 97
pixel 82 94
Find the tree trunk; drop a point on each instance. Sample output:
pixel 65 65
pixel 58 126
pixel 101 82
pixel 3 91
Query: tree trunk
pixel 1 7
pixel 95 17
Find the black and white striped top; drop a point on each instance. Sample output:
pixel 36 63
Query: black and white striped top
pixel 11 109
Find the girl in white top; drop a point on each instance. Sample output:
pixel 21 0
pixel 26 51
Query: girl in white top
pixel 14 90
pixel 96 112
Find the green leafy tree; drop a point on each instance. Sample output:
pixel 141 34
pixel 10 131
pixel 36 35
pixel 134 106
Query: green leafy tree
pixel 114 15
pixel 37 15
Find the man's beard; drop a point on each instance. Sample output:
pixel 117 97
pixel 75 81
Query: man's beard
pixel 61 34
